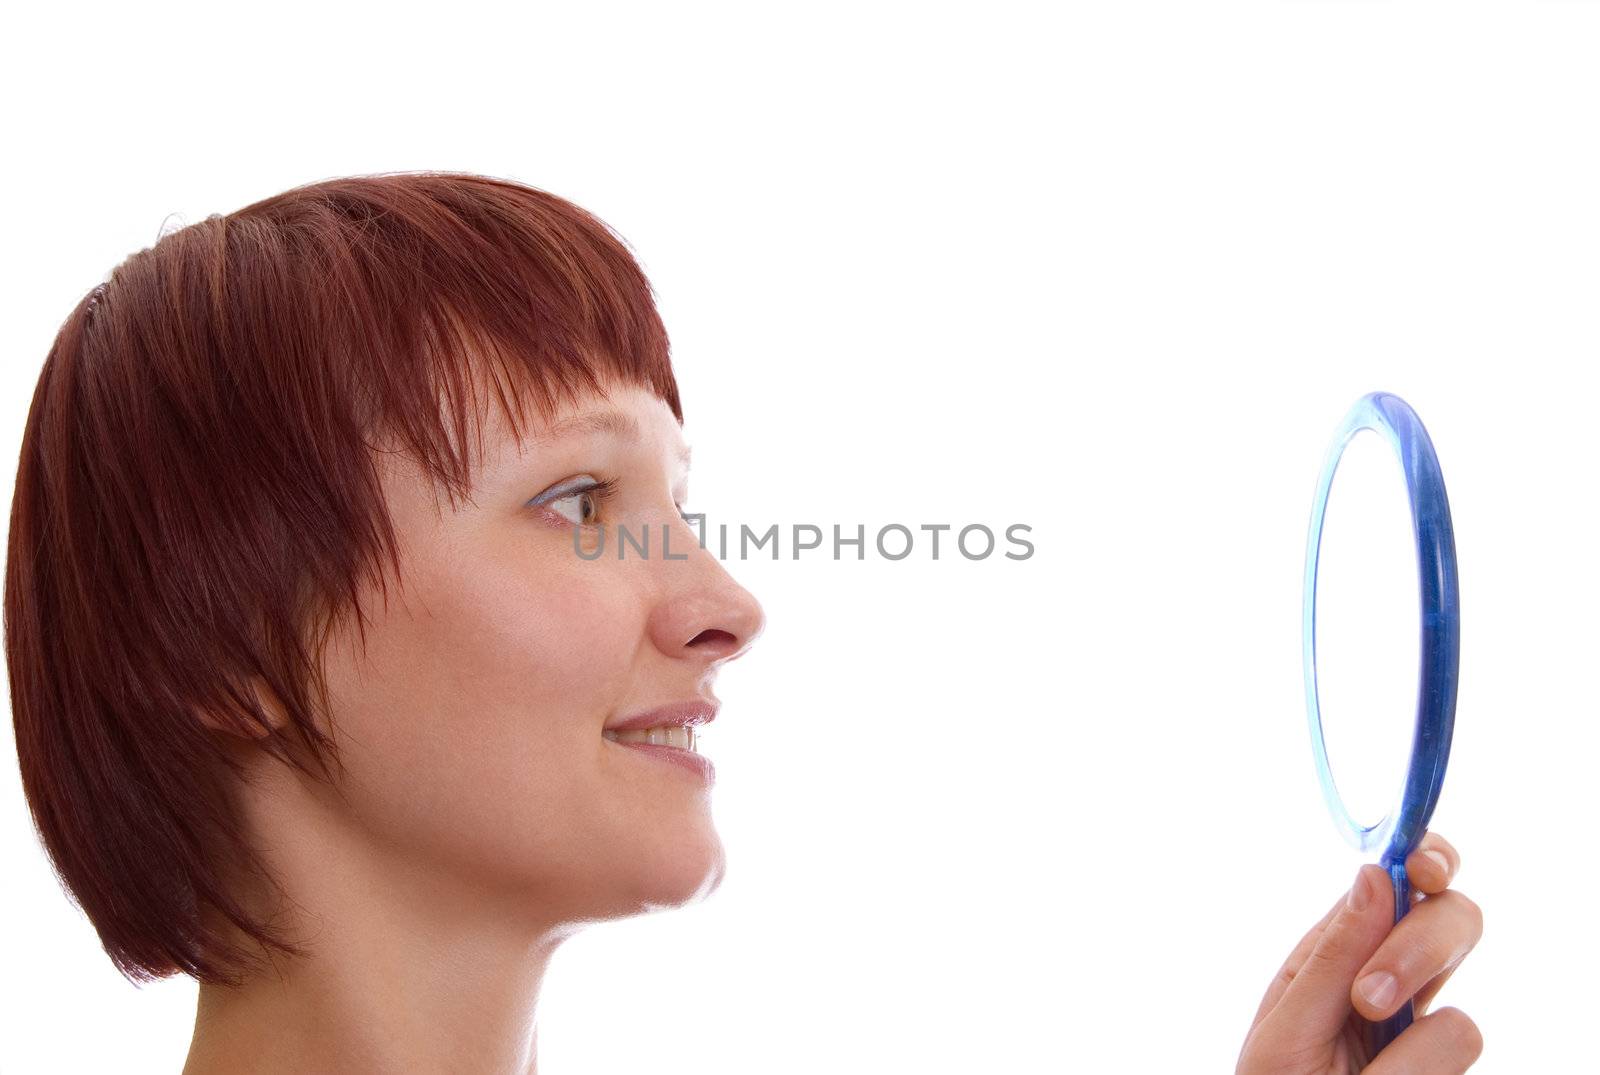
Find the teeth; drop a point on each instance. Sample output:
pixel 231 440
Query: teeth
pixel 684 738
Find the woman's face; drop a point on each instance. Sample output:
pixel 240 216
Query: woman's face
pixel 472 728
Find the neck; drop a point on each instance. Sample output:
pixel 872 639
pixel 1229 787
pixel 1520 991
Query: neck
pixel 407 968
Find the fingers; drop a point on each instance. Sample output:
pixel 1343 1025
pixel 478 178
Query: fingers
pixel 1427 943
pixel 1317 998
pixel 1445 1042
pixel 1356 946
pixel 1431 874
pixel 1432 865
pixel 1292 965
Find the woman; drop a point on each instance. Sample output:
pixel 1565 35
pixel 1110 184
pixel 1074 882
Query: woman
pixel 355 756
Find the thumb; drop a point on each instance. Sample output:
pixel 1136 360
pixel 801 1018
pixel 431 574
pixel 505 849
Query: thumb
pixel 1317 1002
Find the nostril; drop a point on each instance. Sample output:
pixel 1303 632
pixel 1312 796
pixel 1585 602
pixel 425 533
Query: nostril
pixel 714 638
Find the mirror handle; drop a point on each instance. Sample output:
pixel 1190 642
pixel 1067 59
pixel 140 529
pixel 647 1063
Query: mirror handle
pixel 1377 1035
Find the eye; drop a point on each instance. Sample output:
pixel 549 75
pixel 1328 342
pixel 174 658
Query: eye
pixel 578 500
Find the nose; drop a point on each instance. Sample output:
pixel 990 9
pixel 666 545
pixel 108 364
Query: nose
pixel 702 613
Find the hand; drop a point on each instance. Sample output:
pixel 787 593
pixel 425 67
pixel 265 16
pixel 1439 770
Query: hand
pixel 1308 1020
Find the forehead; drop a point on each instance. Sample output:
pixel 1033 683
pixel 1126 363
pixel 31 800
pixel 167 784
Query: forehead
pixel 605 418
pixel 626 414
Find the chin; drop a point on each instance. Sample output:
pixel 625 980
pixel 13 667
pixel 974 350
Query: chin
pixel 677 874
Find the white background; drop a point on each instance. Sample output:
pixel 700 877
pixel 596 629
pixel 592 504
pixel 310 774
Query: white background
pixel 1114 271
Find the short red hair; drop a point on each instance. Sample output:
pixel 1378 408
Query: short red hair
pixel 196 501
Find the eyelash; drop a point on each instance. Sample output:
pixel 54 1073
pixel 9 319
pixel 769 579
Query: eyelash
pixel 602 489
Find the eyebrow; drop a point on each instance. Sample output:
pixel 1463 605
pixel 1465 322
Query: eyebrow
pixel 615 423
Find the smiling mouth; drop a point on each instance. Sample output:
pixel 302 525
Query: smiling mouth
pixel 683 737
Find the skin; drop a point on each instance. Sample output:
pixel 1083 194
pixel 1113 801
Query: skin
pixel 485 818
pixel 1308 1019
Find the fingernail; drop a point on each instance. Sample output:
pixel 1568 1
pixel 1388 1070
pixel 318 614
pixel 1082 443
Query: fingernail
pixel 1438 859
pixel 1359 892
pixel 1378 988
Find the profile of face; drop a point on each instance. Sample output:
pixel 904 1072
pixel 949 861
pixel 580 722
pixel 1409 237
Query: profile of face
pixel 472 719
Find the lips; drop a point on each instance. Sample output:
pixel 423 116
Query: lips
pixel 668 733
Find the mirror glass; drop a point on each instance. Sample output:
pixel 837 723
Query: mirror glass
pixel 1368 628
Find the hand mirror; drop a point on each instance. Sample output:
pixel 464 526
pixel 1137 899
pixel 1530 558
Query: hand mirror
pixel 1381 640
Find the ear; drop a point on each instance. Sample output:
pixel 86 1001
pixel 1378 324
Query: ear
pixel 243 726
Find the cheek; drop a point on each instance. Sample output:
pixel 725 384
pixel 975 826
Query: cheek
pixel 471 728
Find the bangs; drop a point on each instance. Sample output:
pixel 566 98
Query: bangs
pixel 450 293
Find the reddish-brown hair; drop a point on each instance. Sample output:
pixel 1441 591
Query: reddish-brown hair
pixel 197 503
